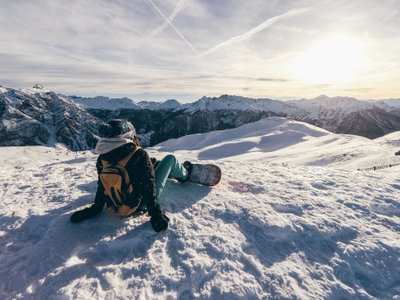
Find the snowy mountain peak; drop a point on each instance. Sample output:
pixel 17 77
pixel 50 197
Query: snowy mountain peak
pixel 36 89
pixel 38 86
pixel 101 102
pixel 37 117
pixel 230 102
pixel 170 104
pixel 329 111
pixel 337 102
pixel 321 98
pixel 387 104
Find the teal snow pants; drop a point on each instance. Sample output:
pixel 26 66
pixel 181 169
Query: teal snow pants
pixel 169 166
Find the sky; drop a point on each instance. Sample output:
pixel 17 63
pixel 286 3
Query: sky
pixel 186 49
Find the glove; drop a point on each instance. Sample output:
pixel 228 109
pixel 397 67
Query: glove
pixel 78 216
pixel 159 221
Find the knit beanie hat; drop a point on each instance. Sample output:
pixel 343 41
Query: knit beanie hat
pixel 116 127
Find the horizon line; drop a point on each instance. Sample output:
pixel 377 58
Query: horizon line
pixel 173 96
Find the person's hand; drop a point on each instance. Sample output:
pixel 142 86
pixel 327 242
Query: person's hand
pixel 78 216
pixel 159 222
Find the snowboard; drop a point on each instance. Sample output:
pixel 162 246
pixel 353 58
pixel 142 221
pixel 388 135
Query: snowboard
pixel 205 174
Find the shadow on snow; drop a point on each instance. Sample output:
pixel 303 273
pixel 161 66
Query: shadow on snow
pixel 48 252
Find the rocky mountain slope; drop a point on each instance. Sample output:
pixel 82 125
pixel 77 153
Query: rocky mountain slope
pixel 370 119
pixel 39 117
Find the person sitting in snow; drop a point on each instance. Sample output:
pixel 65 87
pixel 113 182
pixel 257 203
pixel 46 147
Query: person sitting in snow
pixel 127 180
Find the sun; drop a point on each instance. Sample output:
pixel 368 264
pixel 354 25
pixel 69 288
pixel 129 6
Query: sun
pixel 337 59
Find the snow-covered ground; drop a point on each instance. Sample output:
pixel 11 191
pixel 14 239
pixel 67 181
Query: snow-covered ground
pixel 292 218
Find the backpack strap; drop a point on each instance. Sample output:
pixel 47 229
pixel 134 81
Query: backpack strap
pixel 124 161
pixel 123 164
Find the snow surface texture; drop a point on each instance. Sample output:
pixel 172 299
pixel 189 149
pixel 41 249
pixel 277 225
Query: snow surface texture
pixel 291 219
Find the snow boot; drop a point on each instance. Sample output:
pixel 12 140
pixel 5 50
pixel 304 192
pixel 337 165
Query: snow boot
pixel 189 167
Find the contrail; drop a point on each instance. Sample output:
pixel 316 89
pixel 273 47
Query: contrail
pixel 159 29
pixel 176 29
pixel 267 23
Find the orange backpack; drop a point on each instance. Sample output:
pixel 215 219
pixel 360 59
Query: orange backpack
pixel 117 184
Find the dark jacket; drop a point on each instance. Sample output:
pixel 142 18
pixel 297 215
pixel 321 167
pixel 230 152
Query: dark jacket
pixel 141 174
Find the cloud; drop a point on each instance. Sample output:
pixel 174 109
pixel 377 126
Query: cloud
pixel 297 29
pixel 359 90
pixel 255 79
pixel 264 25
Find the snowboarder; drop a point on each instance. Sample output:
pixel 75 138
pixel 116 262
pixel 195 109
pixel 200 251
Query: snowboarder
pixel 127 180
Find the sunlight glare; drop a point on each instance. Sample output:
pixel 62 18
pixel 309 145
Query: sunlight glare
pixel 337 59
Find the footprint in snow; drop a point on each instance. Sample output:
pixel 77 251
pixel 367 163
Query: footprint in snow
pixel 389 210
pixel 23 187
pixel 288 209
pixel 324 185
pixel 39 175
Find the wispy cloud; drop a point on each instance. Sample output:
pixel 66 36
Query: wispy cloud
pixel 262 79
pixel 264 25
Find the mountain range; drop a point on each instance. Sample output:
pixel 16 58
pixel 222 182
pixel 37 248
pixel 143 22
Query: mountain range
pixel 39 117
